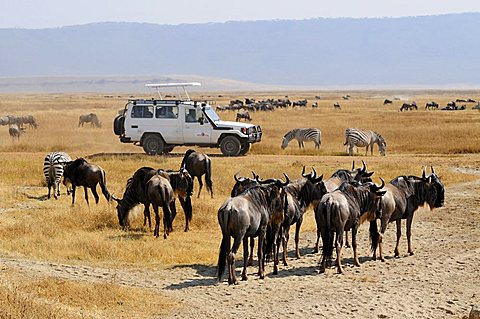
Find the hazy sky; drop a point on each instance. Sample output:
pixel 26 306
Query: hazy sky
pixel 55 13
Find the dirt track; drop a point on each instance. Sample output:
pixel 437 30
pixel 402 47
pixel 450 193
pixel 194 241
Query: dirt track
pixel 440 280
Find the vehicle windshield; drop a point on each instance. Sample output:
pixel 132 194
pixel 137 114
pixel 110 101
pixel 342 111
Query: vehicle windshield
pixel 211 114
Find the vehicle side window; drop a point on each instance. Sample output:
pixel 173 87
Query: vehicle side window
pixel 166 111
pixel 142 111
pixel 191 116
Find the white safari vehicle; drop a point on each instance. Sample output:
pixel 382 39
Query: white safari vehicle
pixel 158 125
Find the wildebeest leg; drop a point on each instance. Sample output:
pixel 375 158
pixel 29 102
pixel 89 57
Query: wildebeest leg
pixel 261 257
pixel 354 245
pixel 297 237
pixel 184 206
pixel 166 221
pixel 73 194
pixel 157 220
pixel 409 234
pixel 338 246
pixel 85 188
pixel 319 233
pixel 245 258
pixel 146 215
pixel 173 213
pixel 252 246
pixel 399 234
pixel 231 258
pixel 95 194
pixel 383 228
pixel 200 183
pixel 347 244
pixel 285 238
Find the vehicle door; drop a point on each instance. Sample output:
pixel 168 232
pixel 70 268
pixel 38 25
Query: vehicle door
pixel 138 120
pixel 168 123
pixel 196 129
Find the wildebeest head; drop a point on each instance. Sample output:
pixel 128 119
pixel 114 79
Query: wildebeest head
pixel 435 191
pixel 122 212
pixel 242 184
pixel 277 195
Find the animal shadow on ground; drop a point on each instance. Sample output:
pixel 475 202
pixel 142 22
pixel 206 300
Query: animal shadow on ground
pixel 131 234
pixel 39 198
pixel 206 273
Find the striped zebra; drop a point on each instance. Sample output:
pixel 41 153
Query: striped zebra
pixel 359 138
pixel 303 135
pixel 53 170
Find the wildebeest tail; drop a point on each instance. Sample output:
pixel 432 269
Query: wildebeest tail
pixel 167 217
pixel 224 220
pixel 188 208
pixel 374 235
pixel 328 209
pixel 103 185
pixel 208 175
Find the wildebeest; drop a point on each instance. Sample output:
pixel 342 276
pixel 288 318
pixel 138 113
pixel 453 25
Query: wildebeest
pixel 387 101
pixel 431 105
pixel 343 209
pixel 81 173
pixel 460 100
pixel 243 115
pixel 404 195
pixel 247 215
pixel 89 118
pixel 160 193
pixel 197 165
pixel 471 101
pixel 452 104
pixel 15 131
pixel 340 176
pixel 300 195
pixel 336 106
pixel 346 97
pixel 407 106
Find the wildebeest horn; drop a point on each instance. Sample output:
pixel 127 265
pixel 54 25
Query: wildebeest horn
pixel 267 181
pixel 115 198
pixel 303 172
pixel 254 174
pixel 364 169
pixel 314 173
pixel 383 183
pixel 353 165
pixel 287 180
pixel 433 171
pixel 241 179
pixel 423 172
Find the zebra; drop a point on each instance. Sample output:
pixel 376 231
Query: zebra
pixel 359 138
pixel 53 165
pixel 302 135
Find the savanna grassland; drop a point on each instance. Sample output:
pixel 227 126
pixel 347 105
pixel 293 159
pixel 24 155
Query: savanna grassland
pixel 66 261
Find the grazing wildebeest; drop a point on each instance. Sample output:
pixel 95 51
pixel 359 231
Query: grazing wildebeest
pixel 340 176
pixel 27 119
pixel 197 165
pixel 471 101
pixel 387 101
pixel 81 173
pixel 243 115
pixel 452 104
pixel 346 97
pixel 160 193
pixel 15 131
pixel 343 209
pixel 336 106
pixel 431 105
pixel 460 100
pixel 89 118
pixel 405 194
pixel 247 215
pixel 407 106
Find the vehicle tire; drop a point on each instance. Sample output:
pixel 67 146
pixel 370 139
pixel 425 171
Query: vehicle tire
pixel 230 146
pixel 153 144
pixel 245 148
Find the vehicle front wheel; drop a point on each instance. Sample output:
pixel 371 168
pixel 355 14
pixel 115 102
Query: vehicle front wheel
pixel 153 144
pixel 230 146
pixel 245 148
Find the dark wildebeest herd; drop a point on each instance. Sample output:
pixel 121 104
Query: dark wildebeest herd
pixel 267 208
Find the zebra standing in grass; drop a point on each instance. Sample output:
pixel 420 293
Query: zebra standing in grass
pixel 359 138
pixel 53 165
pixel 303 135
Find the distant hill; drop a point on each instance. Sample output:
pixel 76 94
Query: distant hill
pixel 425 51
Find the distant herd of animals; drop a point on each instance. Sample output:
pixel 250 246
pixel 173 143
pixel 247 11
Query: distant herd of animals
pixel 17 125
pixel 354 137
pixel 264 208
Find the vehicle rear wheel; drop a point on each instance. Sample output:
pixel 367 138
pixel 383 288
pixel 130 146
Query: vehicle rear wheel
pixel 230 146
pixel 245 148
pixel 153 144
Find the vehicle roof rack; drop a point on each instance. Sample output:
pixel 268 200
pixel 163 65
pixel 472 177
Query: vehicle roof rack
pixel 183 85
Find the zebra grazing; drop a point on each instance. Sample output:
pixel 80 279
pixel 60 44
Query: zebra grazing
pixel 53 170
pixel 359 138
pixel 303 135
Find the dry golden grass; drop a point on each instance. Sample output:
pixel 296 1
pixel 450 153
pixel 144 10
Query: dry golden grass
pixel 22 296
pixel 50 230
